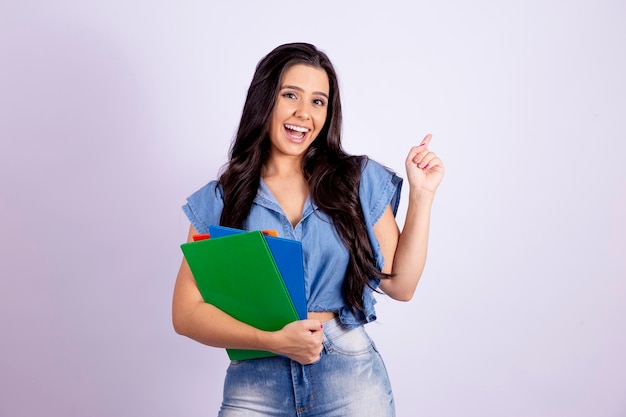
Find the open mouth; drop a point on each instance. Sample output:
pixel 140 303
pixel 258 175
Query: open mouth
pixel 296 132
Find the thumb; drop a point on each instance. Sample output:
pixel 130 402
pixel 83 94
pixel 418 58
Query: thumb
pixel 312 325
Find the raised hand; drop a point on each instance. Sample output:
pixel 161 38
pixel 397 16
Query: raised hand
pixel 424 169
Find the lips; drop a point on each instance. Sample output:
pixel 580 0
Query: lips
pixel 296 133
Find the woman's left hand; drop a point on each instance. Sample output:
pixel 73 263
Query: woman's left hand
pixel 424 169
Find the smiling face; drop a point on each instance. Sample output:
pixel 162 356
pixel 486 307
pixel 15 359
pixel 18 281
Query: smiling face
pixel 300 110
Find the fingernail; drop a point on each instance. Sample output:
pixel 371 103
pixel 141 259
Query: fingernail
pixel 321 326
pixel 426 166
pixel 422 144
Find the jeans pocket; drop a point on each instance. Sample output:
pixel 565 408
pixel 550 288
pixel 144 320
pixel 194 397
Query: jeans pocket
pixel 352 342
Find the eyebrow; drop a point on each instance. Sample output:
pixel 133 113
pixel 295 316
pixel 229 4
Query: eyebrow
pixel 294 87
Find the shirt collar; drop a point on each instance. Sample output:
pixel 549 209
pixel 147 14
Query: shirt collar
pixel 265 198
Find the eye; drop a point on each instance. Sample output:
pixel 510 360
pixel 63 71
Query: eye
pixel 319 102
pixel 290 95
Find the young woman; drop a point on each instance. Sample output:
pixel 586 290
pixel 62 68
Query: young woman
pixel 287 171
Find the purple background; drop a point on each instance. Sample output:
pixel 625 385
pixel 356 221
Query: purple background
pixel 111 113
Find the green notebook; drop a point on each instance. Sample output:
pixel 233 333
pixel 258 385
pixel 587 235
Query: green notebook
pixel 238 275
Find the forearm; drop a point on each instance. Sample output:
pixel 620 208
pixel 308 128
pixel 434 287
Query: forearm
pixel 300 340
pixel 209 325
pixel 410 254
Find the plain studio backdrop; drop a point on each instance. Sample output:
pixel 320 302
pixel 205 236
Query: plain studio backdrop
pixel 113 112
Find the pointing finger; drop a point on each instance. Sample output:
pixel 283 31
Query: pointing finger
pixel 426 140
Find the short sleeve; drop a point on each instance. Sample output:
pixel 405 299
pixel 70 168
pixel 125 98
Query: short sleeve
pixel 204 207
pixel 379 188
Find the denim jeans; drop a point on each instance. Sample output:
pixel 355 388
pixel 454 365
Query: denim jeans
pixel 350 379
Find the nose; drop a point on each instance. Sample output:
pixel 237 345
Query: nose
pixel 303 112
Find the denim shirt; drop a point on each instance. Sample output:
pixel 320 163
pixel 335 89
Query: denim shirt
pixel 325 257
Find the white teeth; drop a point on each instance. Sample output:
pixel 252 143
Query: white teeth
pixel 297 128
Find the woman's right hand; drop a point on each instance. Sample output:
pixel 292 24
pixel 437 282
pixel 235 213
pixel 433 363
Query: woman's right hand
pixel 300 341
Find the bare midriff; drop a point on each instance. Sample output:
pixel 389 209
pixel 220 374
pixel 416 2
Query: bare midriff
pixel 322 316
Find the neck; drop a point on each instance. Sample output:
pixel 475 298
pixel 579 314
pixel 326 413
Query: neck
pixel 283 166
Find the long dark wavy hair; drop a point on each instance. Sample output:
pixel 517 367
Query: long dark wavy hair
pixel 333 175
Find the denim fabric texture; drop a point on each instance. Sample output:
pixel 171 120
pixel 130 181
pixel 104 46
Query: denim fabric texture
pixel 325 257
pixel 350 379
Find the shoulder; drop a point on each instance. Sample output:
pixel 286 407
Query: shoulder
pixel 204 207
pixel 371 170
pixel 378 188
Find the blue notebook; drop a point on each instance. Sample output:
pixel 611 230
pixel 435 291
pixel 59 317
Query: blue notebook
pixel 288 257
